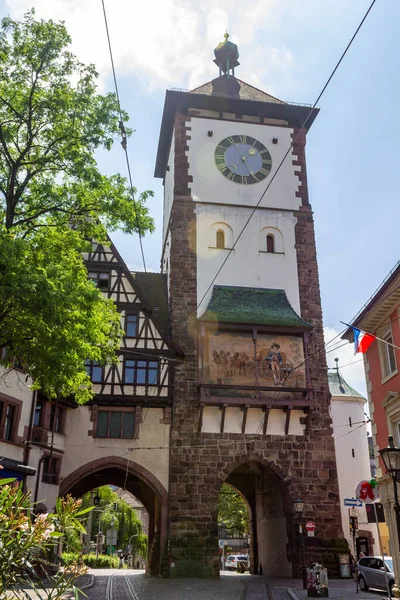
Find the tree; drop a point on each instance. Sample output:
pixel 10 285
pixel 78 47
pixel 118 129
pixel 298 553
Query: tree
pixel 53 201
pixel 232 509
pixel 28 541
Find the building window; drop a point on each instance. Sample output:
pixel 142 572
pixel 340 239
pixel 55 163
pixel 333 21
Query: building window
pixel 7 421
pixel 131 325
pixel 102 280
pixel 220 239
pixel 95 371
pixel 56 418
pixel 270 243
pixel 387 353
pixel 51 467
pixel 112 424
pixel 38 416
pixel 141 372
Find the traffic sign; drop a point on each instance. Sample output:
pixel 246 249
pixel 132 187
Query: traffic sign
pixel 353 512
pixel 310 526
pixel 111 537
pixel 352 502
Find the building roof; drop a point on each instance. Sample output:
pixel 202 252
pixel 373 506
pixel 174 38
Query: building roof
pixel 339 387
pixel 245 91
pixel 256 306
pixel 155 292
pixel 384 299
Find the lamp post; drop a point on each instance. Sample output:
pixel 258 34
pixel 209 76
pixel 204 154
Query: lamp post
pixel 298 509
pixel 391 460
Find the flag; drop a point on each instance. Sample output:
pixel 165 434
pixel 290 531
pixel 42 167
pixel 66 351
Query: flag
pixel 362 340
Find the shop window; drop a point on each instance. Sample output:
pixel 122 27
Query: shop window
pixel 115 424
pixel 51 469
pixel 141 372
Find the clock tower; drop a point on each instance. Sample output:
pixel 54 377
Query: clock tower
pixel 251 397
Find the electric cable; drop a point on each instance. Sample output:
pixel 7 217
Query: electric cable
pixel 286 154
pixel 124 142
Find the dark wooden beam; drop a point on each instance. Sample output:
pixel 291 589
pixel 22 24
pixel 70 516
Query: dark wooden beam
pixel 200 418
pixel 254 402
pixel 262 388
pixel 266 410
pixel 244 420
pixel 287 423
pixel 223 413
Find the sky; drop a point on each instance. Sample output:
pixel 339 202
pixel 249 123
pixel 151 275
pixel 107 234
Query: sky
pixel 287 48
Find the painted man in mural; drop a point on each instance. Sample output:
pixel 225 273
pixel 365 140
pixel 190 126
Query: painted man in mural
pixel 275 362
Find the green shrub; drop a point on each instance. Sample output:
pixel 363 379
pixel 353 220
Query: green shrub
pixel 103 561
pixel 69 557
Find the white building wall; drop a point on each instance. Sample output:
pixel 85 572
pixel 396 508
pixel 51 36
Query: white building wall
pixel 224 204
pixel 351 469
pixel 169 182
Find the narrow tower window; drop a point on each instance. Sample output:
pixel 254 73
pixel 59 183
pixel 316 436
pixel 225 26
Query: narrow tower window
pixel 270 243
pixel 220 239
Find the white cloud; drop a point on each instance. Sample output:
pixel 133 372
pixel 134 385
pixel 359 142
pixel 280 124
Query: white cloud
pixel 165 42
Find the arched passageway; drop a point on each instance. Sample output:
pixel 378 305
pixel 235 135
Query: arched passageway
pixel 137 480
pixel 271 519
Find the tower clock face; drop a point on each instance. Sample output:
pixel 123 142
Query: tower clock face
pixel 242 159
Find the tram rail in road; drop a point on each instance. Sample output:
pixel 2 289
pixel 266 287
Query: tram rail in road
pixel 130 595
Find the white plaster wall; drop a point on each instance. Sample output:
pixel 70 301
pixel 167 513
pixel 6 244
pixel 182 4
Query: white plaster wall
pixel 254 422
pixel 210 186
pixel 14 384
pixel 351 470
pixel 169 181
pixel 247 266
pixel 81 449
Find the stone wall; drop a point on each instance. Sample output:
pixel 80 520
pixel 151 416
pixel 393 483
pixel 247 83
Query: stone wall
pixel 305 465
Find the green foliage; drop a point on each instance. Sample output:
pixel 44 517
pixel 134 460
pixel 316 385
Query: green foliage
pixel 124 519
pixel 52 121
pixel 232 509
pixel 101 562
pixel 27 544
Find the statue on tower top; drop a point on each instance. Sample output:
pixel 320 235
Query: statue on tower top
pixel 226 57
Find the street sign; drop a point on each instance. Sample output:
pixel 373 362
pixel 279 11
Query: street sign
pixel 352 502
pixel 111 539
pixel 310 526
pixel 353 523
pixel 353 512
pixel 221 543
pixel 367 491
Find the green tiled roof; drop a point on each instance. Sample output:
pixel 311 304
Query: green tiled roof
pixel 255 306
pixel 339 387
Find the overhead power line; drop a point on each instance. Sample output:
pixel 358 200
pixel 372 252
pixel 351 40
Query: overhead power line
pixel 287 153
pixel 124 142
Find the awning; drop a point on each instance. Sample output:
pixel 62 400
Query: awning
pixel 13 468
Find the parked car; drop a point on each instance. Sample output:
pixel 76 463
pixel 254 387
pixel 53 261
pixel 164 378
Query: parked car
pixel 372 572
pixel 232 561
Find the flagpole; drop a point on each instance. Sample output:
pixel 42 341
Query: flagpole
pixel 375 336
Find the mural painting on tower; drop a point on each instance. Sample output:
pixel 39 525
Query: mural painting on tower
pixel 230 359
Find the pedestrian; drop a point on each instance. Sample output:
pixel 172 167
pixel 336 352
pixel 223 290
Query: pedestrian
pixel 130 560
pixel 361 555
pixel 121 561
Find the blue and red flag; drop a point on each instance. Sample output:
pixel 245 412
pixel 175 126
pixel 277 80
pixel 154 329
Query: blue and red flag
pixel 362 340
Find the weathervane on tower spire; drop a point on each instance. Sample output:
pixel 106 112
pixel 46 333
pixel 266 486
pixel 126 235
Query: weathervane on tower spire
pixel 226 57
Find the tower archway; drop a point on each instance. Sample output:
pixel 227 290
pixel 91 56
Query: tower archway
pixel 271 518
pixel 137 480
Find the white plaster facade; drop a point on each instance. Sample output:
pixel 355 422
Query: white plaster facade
pixel 352 453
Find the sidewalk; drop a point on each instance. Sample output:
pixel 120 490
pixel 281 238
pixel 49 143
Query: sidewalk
pixel 339 589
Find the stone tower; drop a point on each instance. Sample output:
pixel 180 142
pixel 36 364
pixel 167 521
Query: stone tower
pixel 251 398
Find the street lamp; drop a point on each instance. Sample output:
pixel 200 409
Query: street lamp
pixel 298 508
pixel 391 460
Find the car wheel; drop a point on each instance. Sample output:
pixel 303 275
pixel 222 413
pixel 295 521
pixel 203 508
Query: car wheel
pixel 362 583
pixel 391 586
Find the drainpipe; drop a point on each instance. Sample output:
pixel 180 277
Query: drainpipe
pixel 28 444
pixel 43 458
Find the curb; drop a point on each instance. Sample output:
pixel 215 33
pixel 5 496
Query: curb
pixel 89 584
pixel 292 594
pixel 244 591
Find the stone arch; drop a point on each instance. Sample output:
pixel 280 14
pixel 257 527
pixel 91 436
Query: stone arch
pixel 215 231
pixel 278 241
pixel 116 470
pixel 269 493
